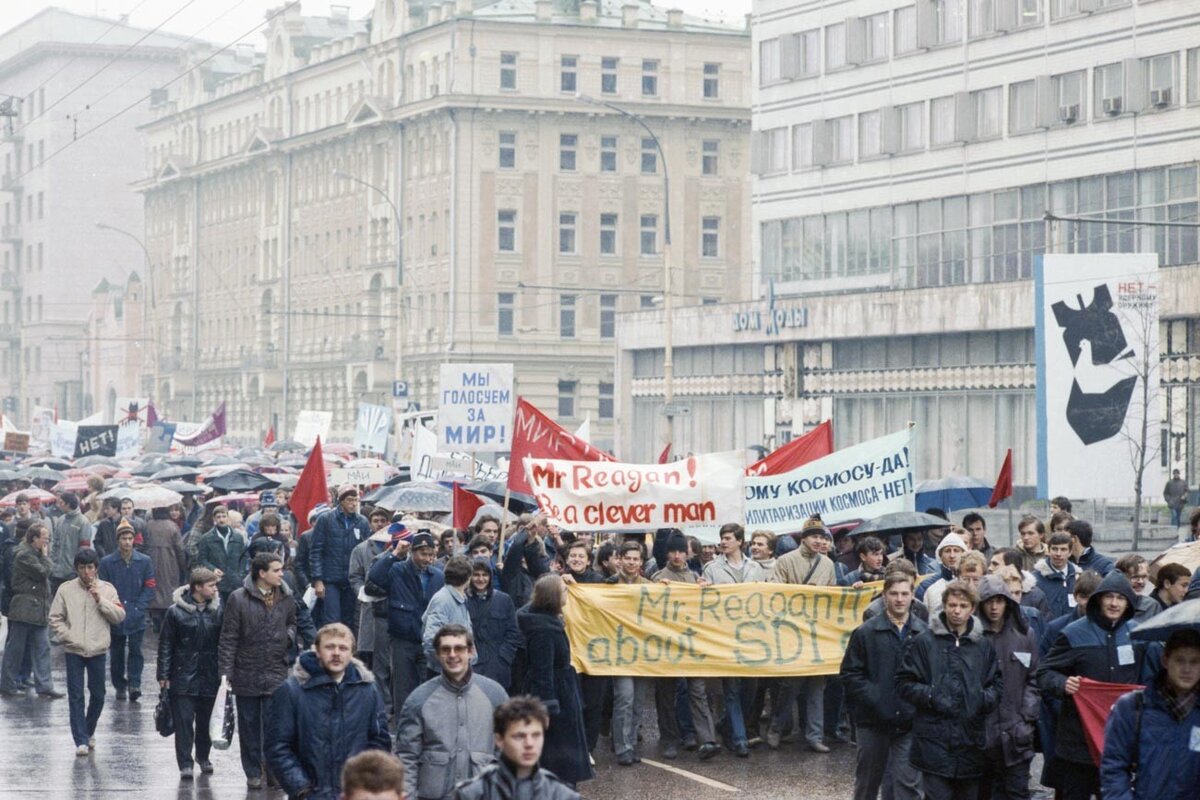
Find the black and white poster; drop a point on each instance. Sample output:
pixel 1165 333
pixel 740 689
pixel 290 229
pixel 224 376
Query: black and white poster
pixel 1097 374
pixel 371 427
pixel 96 440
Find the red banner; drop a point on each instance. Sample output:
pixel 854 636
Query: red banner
pixel 538 436
pixel 1094 701
pixel 311 489
pixel 1003 488
pixel 465 505
pixel 815 444
pixel 211 431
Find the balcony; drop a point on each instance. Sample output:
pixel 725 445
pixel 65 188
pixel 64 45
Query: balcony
pixel 11 182
pixel 11 233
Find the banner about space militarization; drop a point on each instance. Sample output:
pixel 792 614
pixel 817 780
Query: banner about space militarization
pixel 1096 325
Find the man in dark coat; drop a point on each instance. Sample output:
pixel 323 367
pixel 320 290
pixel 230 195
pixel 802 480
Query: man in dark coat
pixel 949 673
pixel 494 625
pixel 1056 575
pixel 132 573
pixel 328 710
pixel 524 562
pixel 105 535
pixel 335 536
pixel 884 720
pixel 1082 551
pixel 187 666
pixel 29 615
pixel 1096 646
pixel 223 550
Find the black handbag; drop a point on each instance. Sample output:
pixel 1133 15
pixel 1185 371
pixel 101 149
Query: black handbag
pixel 164 721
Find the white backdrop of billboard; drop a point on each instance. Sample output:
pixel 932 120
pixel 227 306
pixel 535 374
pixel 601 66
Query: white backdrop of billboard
pixel 310 425
pixel 1096 329
pixel 475 408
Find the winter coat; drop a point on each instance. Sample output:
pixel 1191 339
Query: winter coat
pixel 1033 597
pixel 335 536
pixel 1145 608
pixel 497 782
pixel 72 531
pixel 361 559
pixel 135 584
pixel 1100 564
pixel 1011 725
pixel 30 584
pixel 316 724
pixel 164 545
pixel 524 562
pixel 444 734
pixel 877 608
pixel 406 599
pixel 803 566
pixel 1031 559
pixel 954 683
pixel 448 606
pixel 1175 493
pixel 869 674
pixel 256 639
pixel 497 636
pixel 229 557
pixel 861 574
pixel 104 536
pixel 1165 751
pixel 8 550
pixel 187 645
pixel 1089 647
pixel 942 575
pixel 82 624
pixel 720 572
pixel 548 675
pixel 1059 587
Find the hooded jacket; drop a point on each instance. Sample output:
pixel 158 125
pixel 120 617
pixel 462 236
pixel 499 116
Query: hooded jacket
pixel 954 683
pixel 1059 587
pixel 187 645
pixel 256 639
pixel 1090 647
pixel 315 724
pixel 1165 755
pixel 1010 726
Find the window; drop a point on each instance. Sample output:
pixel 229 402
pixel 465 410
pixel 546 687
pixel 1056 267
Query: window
pixel 911 118
pixel 904 30
pixel 508 71
pixel 941 120
pixel 1193 74
pixel 606 400
pixel 567 144
pixel 1022 107
pixel 981 17
pixel 608 154
pixel 989 114
pixel 648 244
pixel 774 155
pixel 649 78
pixel 869 143
pixel 568 76
pixel 504 313
pixel 875 37
pixel 768 62
pixel 802 146
pixel 1063 8
pixel 947 21
pixel 608 75
pixel 566 232
pixel 1158 79
pixel 566 316
pixel 712 81
pixel 710 150
pixel 710 228
pixel 646 301
pixel 649 156
pixel 809 56
pixel 506 234
pixel 841 139
pixel 1069 91
pixel 608 316
pixel 835 46
pixel 566 399
pixel 608 234
pixel 508 149
pixel 1029 12
pixel 1108 84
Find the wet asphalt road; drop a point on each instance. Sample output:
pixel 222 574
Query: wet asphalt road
pixel 131 761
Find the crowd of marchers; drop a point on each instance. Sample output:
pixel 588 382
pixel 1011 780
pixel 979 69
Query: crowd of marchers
pixel 383 633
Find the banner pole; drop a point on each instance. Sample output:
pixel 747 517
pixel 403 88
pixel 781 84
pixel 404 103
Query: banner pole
pixel 503 526
pixel 1012 533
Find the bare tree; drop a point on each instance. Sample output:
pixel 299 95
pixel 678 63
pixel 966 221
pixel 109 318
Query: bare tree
pixel 1139 315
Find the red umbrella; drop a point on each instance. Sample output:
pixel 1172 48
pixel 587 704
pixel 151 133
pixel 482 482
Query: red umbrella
pixel 34 494
pixel 81 472
pixel 75 484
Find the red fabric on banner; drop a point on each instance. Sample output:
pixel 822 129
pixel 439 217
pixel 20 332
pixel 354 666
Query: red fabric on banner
pixel 538 436
pixel 1094 701
pixel 213 429
pixel 270 438
pixel 665 455
pixel 1003 486
pixel 311 489
pixel 465 505
pixel 815 444
pixel 151 414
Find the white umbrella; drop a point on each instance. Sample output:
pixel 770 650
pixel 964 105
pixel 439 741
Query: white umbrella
pixel 148 497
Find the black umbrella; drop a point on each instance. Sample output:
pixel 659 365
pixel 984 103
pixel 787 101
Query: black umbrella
pixel 242 480
pixel 98 461
pixel 147 469
pixel 184 487
pixel 178 471
pixel 222 461
pixel 35 474
pixel 518 502
pixel 248 452
pixel 1182 617
pixel 413 497
pixel 185 461
pixel 287 446
pixel 900 521
pixel 50 462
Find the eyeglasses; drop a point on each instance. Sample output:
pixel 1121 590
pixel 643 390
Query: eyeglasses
pixel 452 648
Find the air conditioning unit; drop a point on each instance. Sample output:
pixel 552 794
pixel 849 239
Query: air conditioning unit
pixel 1160 98
pixel 1068 114
pixel 1113 106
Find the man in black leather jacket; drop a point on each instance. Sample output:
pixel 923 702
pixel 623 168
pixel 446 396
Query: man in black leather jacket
pixel 520 727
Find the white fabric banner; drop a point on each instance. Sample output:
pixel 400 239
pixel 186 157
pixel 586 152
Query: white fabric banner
pixel 62 438
pixel 475 408
pixel 859 482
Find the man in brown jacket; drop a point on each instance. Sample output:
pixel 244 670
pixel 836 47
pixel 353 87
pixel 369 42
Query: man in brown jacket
pixel 80 616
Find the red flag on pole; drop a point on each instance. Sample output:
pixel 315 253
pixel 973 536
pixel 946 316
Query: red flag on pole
pixel 1003 486
pixel 1094 701
pixel 815 444
pixel 310 490
pixel 465 505
pixel 665 455
pixel 536 435
pixel 270 438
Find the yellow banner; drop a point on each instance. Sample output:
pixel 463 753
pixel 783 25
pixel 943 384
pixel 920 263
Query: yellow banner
pixel 737 630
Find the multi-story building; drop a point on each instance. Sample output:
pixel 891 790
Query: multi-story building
pixel 905 156
pixel 528 217
pixel 116 345
pixel 70 87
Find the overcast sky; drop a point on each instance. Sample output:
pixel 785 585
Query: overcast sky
pixel 222 21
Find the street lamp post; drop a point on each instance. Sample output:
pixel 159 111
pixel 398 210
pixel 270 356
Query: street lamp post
pixel 148 301
pixel 668 303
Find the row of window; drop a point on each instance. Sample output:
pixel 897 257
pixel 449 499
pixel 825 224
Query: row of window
pixel 506 313
pixel 1125 87
pixel 569 83
pixel 568 399
pixel 991 236
pixel 568 154
pixel 609 241
pixel 35 208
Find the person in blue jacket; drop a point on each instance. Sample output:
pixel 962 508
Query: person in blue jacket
pixel 1152 738
pixel 334 536
pixel 132 573
pixel 494 623
pixel 1056 575
pixel 1082 551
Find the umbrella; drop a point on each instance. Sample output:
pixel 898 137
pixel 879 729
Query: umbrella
pixel 183 487
pixel 242 480
pixel 518 502
pixel 10 475
pixel 222 461
pixel 338 448
pixel 171 473
pixel 148 497
pixel 34 494
pixel 900 521
pixel 953 493
pixel 248 452
pixel 229 499
pixel 42 474
pixel 52 462
pixel 185 461
pixel 287 446
pixel 368 463
pixel 72 484
pixel 1181 617
pixel 145 470
pixel 97 461
pixel 119 492
pixel 1186 554
pixel 287 481
pixel 415 497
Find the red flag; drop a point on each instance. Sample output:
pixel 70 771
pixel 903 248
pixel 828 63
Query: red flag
pixel 270 438
pixel 1003 486
pixel 665 456
pixel 310 490
pixel 1094 701
pixel 538 436
pixel 815 444
pixel 465 505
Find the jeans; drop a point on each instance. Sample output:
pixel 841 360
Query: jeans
pixel 251 724
pixel 627 712
pixel 876 749
pixel 814 707
pixel 26 642
pixel 127 661
pixel 338 605
pixel 592 687
pixel 731 692
pixel 83 725
pixel 191 716
pixel 1177 516
pixel 668 719
pixel 408 671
